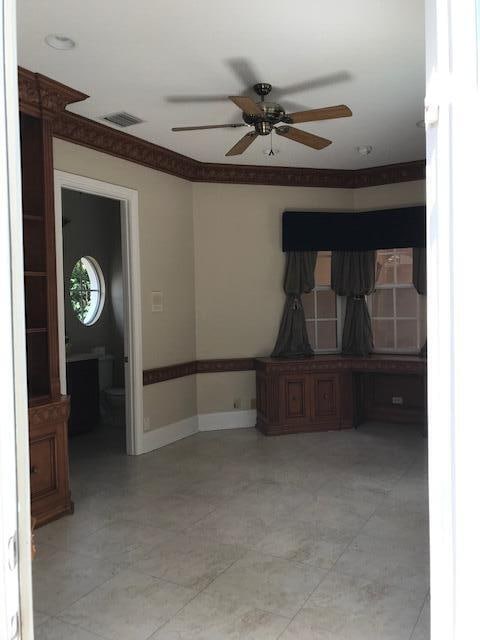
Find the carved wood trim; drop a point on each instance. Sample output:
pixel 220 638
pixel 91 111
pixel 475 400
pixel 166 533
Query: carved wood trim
pixel 170 372
pixel 51 413
pixel 161 374
pixel 225 364
pixel 394 364
pixel 42 96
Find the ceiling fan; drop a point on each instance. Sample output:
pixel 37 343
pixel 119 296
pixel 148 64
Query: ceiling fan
pixel 264 115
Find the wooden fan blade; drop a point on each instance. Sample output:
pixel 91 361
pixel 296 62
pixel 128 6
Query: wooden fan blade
pixel 303 137
pixel 210 126
pixel 243 144
pixel 312 115
pixel 247 105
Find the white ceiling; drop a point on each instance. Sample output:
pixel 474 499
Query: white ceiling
pixel 133 55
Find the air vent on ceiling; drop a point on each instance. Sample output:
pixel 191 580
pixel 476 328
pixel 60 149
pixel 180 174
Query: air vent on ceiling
pixel 122 119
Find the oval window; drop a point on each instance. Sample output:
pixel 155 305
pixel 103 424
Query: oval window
pixel 87 290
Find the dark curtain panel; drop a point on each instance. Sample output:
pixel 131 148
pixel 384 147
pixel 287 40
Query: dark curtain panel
pixel 420 270
pixel 353 275
pixel 420 279
pixel 292 340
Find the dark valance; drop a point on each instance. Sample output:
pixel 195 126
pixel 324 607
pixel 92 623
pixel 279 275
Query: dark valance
pixel 386 229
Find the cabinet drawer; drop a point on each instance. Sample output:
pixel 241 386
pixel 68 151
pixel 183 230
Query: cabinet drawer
pixel 43 466
pixel 324 396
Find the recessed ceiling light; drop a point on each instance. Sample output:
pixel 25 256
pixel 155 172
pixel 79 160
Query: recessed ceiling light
pixel 57 41
pixel 364 149
pixel 420 124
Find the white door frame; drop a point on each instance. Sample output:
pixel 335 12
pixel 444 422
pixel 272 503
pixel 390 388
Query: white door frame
pixel 128 199
pixel 16 614
pixel 453 224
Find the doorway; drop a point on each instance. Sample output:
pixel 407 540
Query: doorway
pixel 98 288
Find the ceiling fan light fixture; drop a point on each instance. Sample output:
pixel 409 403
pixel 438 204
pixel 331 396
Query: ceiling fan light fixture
pixel 57 41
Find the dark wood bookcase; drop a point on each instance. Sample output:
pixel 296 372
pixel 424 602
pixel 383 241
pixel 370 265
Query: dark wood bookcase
pixel 41 101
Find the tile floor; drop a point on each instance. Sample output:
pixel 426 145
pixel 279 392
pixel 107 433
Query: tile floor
pixel 231 535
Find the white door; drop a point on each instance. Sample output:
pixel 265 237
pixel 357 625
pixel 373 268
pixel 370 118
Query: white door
pixel 16 619
pixel 453 209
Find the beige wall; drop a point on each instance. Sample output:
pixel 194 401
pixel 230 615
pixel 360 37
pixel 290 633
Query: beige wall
pixel 215 252
pixel 239 267
pixel 166 254
pixel 385 196
pixel 238 277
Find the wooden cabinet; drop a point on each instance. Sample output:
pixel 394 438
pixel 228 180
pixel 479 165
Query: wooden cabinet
pixel 41 100
pixel 293 396
pixel 335 392
pixel 49 484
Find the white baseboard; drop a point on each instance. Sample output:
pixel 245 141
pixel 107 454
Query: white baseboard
pixel 227 420
pixel 170 433
pixel 158 438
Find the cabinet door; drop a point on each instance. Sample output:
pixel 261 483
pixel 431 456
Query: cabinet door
pixel 325 406
pixel 294 405
pixel 43 465
pixel 49 481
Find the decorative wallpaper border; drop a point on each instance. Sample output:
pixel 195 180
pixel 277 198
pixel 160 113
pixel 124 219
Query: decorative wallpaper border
pixel 38 94
pixel 393 364
pixel 160 374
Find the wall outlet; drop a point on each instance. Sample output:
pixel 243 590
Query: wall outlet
pixel 237 404
pixel 146 424
pixel 397 400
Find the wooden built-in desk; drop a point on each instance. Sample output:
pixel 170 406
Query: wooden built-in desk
pixel 338 392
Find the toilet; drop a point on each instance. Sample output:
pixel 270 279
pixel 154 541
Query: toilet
pixel 112 399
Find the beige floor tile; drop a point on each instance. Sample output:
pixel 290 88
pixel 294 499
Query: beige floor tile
pixel 130 606
pixel 63 578
pixel 121 541
pixel 212 616
pixel 271 584
pixel 422 628
pixel 390 561
pixel 352 607
pixel 231 525
pixel 176 512
pixel 307 542
pixel 334 515
pixel 190 561
pixel 57 630
pixel 190 515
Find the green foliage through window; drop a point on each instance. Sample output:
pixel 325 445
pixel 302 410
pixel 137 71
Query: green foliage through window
pixel 85 293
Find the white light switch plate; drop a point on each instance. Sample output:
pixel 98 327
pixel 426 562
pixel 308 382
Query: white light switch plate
pixel 157 301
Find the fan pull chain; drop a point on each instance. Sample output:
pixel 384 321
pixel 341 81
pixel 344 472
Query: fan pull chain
pixel 271 153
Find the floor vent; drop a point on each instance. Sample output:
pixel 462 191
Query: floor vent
pixel 122 119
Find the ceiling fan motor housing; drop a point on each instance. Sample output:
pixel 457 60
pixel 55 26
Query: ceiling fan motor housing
pixel 272 113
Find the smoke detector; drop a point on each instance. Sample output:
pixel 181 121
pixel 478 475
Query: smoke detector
pixel 364 149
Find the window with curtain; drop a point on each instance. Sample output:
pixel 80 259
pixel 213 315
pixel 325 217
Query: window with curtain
pixel 322 309
pixel 397 310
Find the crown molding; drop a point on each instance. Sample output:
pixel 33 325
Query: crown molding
pixel 43 97
pixel 94 135
pixel 40 96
